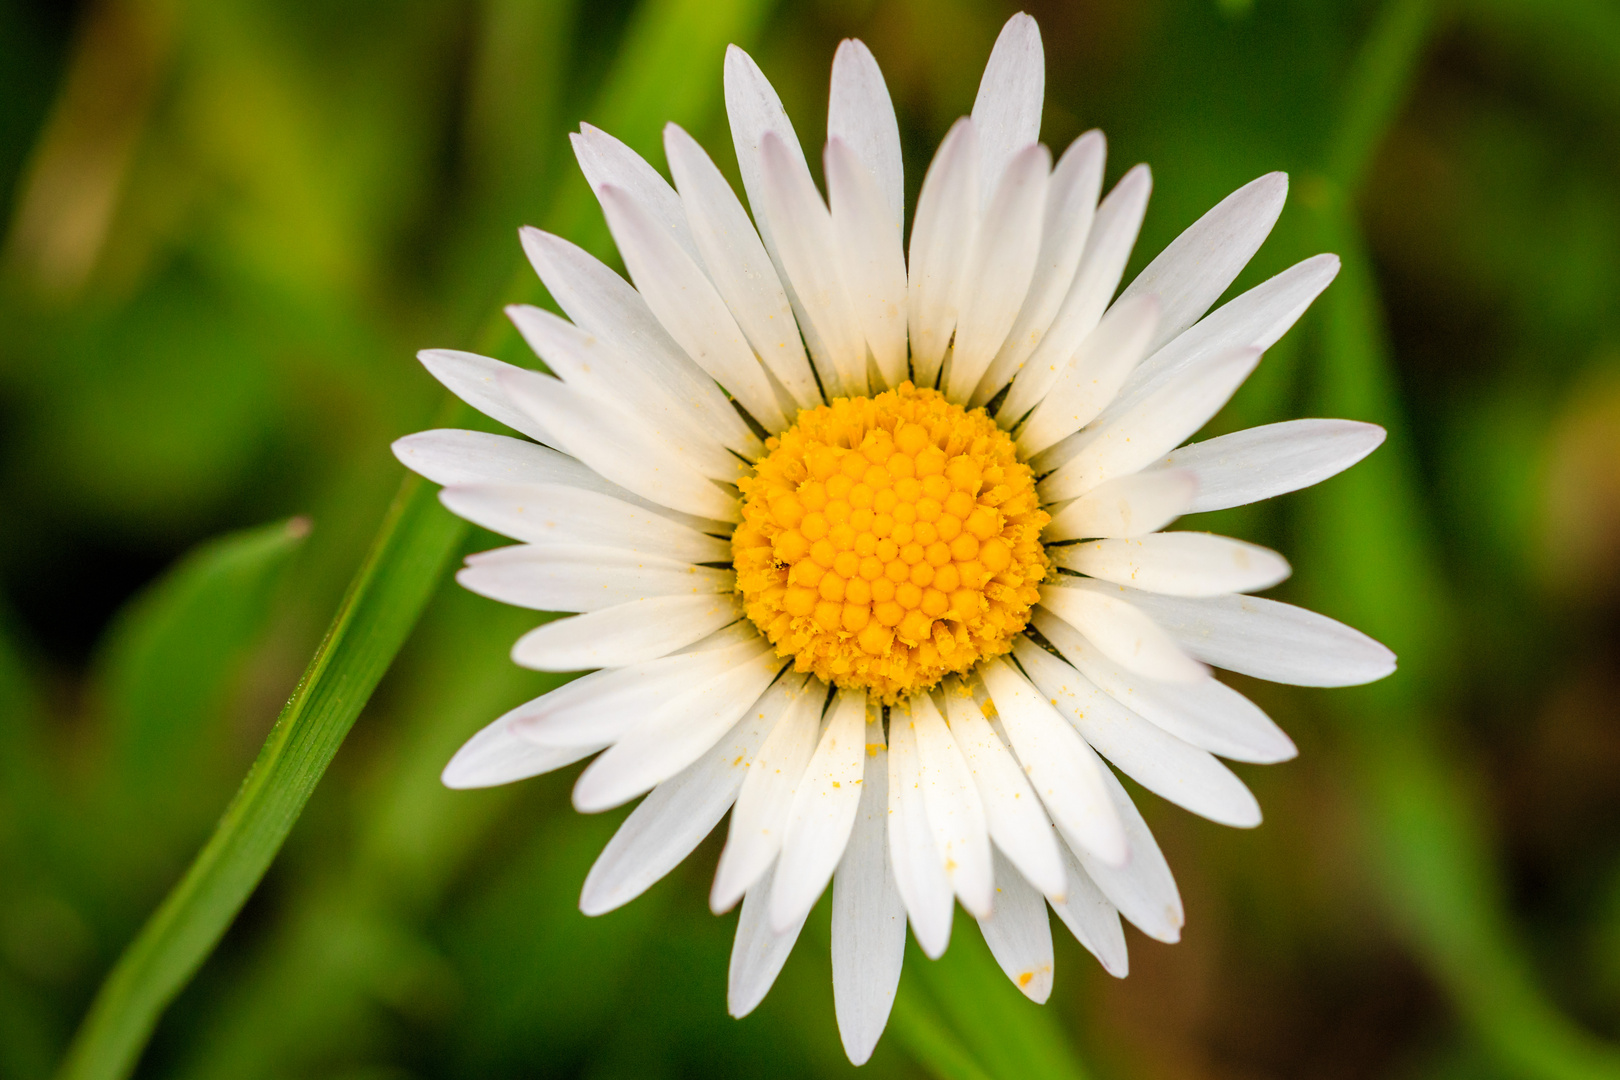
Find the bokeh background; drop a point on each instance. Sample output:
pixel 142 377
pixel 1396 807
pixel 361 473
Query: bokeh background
pixel 230 225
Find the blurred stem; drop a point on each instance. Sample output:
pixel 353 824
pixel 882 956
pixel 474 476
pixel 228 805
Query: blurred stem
pixel 376 616
pixel 1381 571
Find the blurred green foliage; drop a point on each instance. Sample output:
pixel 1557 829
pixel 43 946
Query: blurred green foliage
pixel 232 223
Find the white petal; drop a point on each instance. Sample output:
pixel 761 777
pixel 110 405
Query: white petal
pixel 1258 463
pixel 807 249
pixel 1090 380
pixel 739 266
pixel 448 456
pixel 868 917
pixel 1257 319
pixel 759 950
pixel 941 238
pixel 1160 762
pixel 1108 249
pixel 1092 920
pixel 601 707
pixel 626 634
pixel 754 109
pixel 1120 630
pixel 678 814
pixel 860 114
pixel 1002 264
pixel 583 579
pixel 823 812
pixel 687 305
pixel 1143 889
pixel 1190 274
pixel 1178 563
pixel 1142 434
pixel 616 446
pixel 595 366
pixel 1012 810
pixel 602 303
pixel 951 801
pixel 1071 205
pixel 498 755
pixel 1133 505
pixel 606 161
pixel 476 380
pixel 1019 934
pixel 1007 111
pixel 1270 640
pixel 1208 714
pixel 1064 771
pixel 919 873
pixel 555 514
pixel 871 260
pixel 761 814
pixel 676 733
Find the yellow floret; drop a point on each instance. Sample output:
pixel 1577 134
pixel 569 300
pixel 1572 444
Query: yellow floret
pixel 889 541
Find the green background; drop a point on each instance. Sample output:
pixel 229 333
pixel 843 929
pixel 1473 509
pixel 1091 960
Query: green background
pixel 231 224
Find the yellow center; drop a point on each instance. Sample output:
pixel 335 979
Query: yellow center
pixel 889 541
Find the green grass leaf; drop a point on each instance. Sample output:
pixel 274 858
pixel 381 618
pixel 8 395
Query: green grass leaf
pixel 169 664
pixel 378 613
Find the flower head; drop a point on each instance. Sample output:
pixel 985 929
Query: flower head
pixel 866 540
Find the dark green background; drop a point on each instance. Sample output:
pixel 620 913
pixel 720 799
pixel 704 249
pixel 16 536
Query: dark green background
pixel 231 223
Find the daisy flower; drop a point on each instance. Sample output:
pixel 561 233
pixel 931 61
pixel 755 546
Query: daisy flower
pixel 865 538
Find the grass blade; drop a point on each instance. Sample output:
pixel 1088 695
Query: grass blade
pixel 381 607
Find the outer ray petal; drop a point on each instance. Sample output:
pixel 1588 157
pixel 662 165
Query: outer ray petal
pixel 1013 815
pixel 558 514
pixel 808 254
pixel 823 812
pixel 1007 110
pixel 686 303
pixel 1120 630
pixel 1133 505
pixel 868 916
pixel 1270 640
pixel 555 578
pixel 1207 714
pixel 1064 771
pixel 612 443
pixel 871 261
pixel 1091 918
pixel 498 755
pixel 941 237
pixel 1187 776
pixel 1146 432
pixel 761 814
pixel 955 813
pixel 602 303
pixel 860 114
pixel 739 266
pixel 1258 463
pixel 625 634
pixel 919 873
pixel 1178 563
pixel 1001 266
pixel 1019 934
pixel 1190 274
pixel 1108 248
pixel 678 814
pixel 1071 204
pixel 759 950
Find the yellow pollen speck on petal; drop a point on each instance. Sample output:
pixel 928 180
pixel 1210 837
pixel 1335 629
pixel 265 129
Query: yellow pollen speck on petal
pixel 889 541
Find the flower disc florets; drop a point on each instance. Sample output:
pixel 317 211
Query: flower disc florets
pixel 889 541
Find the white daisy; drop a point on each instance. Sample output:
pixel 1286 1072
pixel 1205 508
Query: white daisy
pixel 866 543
